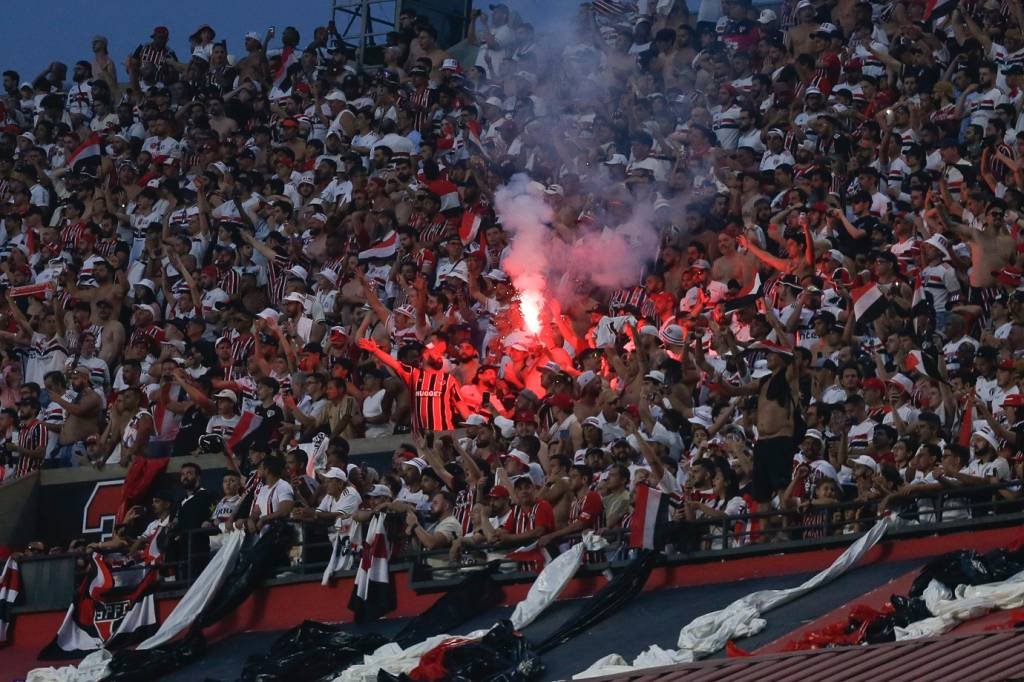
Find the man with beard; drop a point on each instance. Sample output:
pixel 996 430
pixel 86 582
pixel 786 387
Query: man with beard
pixel 83 413
pixel 436 398
pixel 193 512
pixel 443 530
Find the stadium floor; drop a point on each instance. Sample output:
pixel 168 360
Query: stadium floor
pixel 651 618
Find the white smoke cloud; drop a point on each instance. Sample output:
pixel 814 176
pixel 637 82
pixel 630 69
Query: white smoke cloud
pixel 540 261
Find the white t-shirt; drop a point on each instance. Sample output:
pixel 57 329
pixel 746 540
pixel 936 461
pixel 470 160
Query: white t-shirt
pixel 346 503
pixel 270 497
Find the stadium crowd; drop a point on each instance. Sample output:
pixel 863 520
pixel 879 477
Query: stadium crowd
pixel 235 249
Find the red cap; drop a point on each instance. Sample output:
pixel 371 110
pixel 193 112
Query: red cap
pixel 873 382
pixel 1008 364
pixel 526 416
pixel 1013 400
pixel 499 491
pixel 820 207
pixel 210 271
pixel 562 401
pixel 160 30
pixel 289 123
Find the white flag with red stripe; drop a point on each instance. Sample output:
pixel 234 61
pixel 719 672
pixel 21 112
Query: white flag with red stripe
pixel 384 248
pixel 469 228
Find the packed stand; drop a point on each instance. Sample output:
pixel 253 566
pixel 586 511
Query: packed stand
pixel 235 251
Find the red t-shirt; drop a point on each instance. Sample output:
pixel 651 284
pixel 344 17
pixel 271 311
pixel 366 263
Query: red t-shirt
pixel 589 509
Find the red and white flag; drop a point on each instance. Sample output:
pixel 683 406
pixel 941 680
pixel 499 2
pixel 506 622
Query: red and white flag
pixel 469 228
pixel 10 588
pixel 868 302
pixel 373 593
pixel 86 156
pixel 290 56
pixel 246 426
pixel 384 248
pixel 650 514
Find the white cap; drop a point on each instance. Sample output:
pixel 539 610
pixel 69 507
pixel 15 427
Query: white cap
pixel 767 17
pixel 585 378
pixel 298 271
pixel 476 420
pixel 656 375
pixel 417 463
pixel 227 393
pixel 519 455
pixel 268 314
pixel 701 416
pixel 506 426
pixel 866 461
pixel 307 178
pixel 335 96
pixel 148 283
pixel 295 297
pixel 617 160
pixel 814 434
pixel 380 490
pixel 253 35
pixel 330 275
pixel 496 275
pixel 336 473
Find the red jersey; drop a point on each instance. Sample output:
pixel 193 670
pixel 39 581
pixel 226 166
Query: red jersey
pixel 435 395
pixel 538 515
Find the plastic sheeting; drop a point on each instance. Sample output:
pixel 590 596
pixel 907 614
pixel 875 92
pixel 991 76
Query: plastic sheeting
pixel 93 667
pixel 500 655
pixel 709 633
pixel 547 586
pixel 474 595
pixel 308 652
pixel 966 602
pixel 201 593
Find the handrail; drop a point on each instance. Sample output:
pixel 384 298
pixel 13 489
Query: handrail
pixel 687 538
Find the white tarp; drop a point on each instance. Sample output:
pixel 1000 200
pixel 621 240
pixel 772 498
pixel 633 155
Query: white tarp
pixel 545 589
pixel 202 591
pixel 966 602
pixel 547 586
pixel 708 633
pixel 93 667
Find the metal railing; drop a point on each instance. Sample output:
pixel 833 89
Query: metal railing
pixel 306 556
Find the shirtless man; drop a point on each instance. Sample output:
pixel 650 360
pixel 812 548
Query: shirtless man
pixel 798 37
pixel 83 415
pixel 112 334
pixel 991 247
pixel 110 288
pixel 556 487
pixel 219 121
pixel 426 46
pixel 732 264
pixel 776 399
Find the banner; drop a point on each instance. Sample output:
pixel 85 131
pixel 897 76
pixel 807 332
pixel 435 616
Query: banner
pixel 373 593
pixel 114 605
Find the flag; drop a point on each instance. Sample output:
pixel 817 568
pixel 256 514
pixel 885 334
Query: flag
pixel 142 473
pixel 114 606
pixel 967 421
pixel 469 227
pixel 923 363
pixel 922 302
pixel 650 515
pixel 373 594
pixel 246 426
pixel 746 297
pixel 383 248
pixel 10 588
pixel 868 302
pixel 86 157
pixel 936 9
pixel 282 77
pixel 44 290
pixel 611 8
pixel 345 547
pixel 316 451
pixel 532 557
